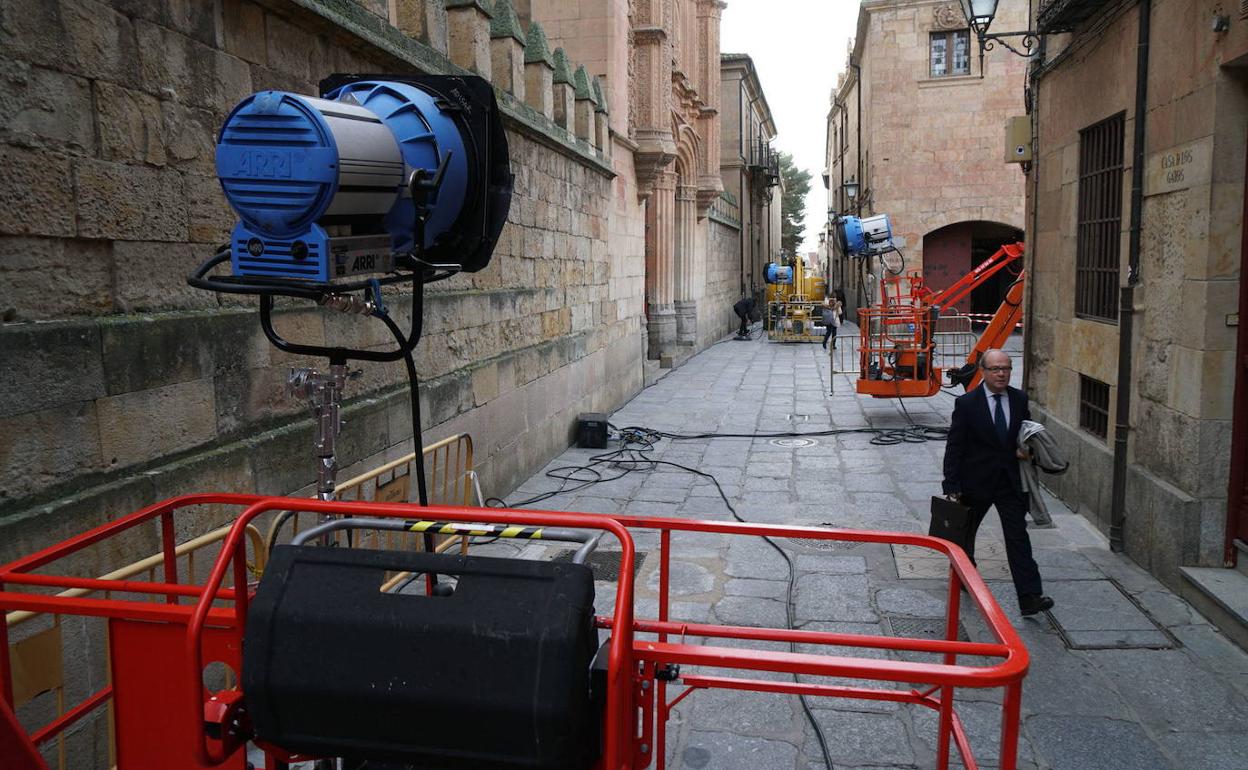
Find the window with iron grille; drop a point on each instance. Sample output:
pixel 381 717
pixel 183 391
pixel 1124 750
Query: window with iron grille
pixel 1099 224
pixel 1093 406
pixel 950 53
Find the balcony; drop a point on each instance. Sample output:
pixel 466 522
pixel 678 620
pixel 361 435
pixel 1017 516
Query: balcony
pixel 1066 15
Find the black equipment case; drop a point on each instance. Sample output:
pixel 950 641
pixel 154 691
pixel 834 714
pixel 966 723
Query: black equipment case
pixel 496 675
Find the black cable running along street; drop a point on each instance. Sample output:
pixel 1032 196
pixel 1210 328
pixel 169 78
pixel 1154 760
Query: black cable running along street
pixel 631 456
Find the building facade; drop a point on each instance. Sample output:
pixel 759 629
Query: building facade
pixel 750 169
pixel 659 62
pixel 918 123
pixel 1136 349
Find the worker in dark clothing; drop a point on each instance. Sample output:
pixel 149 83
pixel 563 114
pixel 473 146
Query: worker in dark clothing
pixel 981 470
pixel 744 310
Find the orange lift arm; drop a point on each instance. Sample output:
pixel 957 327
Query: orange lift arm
pixel 998 331
pixel 1006 255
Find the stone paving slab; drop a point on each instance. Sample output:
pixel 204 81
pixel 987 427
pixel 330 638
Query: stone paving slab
pixel 1183 708
pixel 1097 614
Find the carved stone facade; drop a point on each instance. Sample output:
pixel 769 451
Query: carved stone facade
pixel 658 61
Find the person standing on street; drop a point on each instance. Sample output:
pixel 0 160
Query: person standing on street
pixel 831 321
pixel 981 470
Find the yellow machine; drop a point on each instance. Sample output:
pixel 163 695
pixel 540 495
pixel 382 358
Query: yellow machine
pixel 794 300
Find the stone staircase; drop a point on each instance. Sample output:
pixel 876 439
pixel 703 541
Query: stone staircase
pixel 1221 594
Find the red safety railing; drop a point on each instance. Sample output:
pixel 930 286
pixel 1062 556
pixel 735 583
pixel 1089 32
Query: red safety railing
pixel 159 646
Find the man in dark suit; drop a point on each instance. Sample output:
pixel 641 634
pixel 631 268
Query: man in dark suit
pixel 981 470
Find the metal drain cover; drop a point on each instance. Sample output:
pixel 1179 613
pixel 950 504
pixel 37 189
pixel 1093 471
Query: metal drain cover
pixel 605 564
pixel 816 545
pixel 794 443
pixel 920 628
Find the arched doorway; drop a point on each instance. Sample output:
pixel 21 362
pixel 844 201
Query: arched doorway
pixel 952 251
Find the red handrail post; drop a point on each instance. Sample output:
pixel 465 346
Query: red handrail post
pixel 1009 725
pixel 661 710
pixel 169 548
pixel 17 752
pixel 6 666
pixel 953 601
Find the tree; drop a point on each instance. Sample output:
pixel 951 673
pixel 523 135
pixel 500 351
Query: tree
pixel 792 204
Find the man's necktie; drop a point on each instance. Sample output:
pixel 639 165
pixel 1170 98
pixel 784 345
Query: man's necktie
pixel 1003 429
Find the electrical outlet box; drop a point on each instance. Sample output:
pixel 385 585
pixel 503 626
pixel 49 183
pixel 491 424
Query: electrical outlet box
pixel 591 430
pixel 1018 139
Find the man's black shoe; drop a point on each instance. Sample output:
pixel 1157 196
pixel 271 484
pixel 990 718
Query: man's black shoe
pixel 1034 603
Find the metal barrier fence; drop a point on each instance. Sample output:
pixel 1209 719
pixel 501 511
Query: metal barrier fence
pixel 845 359
pixel 450 480
pixel 952 339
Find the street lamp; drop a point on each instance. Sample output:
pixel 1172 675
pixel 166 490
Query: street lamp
pixel 851 190
pixel 979 15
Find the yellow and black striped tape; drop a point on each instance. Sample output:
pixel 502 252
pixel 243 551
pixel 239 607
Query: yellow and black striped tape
pixel 451 528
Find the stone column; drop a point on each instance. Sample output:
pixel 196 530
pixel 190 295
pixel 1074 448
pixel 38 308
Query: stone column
pixel 424 20
pixel 539 72
pixel 660 243
pixel 650 78
pixel 507 50
pixel 685 305
pixel 468 24
pixel 584 106
pixel 565 95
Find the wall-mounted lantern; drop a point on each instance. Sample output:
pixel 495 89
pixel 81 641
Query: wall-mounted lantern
pixel 979 16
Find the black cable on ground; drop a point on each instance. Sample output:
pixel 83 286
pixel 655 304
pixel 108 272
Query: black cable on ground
pixel 632 457
pixel 914 433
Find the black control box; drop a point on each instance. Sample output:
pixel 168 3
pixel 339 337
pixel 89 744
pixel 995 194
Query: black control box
pixel 591 430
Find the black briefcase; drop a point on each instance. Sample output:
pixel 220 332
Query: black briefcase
pixel 950 521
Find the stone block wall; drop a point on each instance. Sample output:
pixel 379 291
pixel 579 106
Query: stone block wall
pixel 1183 372
pixel 723 282
pixel 126 386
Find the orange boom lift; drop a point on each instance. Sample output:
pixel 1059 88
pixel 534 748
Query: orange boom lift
pixel 897 334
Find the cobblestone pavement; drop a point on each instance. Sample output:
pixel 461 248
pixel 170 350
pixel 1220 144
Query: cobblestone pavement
pixel 1124 674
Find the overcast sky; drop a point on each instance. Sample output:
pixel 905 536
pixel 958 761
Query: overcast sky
pixel 798 47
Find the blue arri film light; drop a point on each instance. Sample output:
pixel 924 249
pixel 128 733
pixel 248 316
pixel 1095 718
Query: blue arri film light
pixel 321 185
pixel 866 236
pixel 777 273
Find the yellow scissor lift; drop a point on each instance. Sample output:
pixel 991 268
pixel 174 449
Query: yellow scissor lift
pixel 794 306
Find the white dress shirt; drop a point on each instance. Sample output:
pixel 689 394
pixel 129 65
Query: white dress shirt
pixel 992 405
